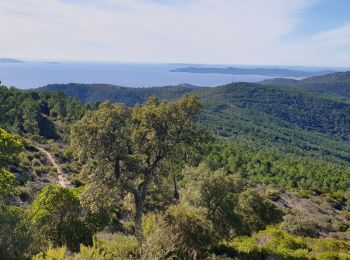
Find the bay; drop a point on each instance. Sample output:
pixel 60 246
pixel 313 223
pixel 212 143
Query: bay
pixel 36 74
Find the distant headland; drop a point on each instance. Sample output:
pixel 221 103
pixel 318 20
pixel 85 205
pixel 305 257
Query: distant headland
pixel 8 60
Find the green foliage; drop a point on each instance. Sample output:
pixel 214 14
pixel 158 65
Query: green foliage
pixel 10 147
pixel 130 147
pixel 282 138
pixel 105 247
pixel 272 166
pixel 299 226
pixel 194 232
pixel 92 93
pixel 52 254
pixel 58 217
pixel 256 211
pixel 110 246
pixel 329 248
pixel 7 184
pixel 230 209
pixel 279 244
pixel 334 84
pixel 15 236
pixel 182 232
pixel 217 192
pixel 291 119
pixel 33 113
pixel 160 243
pixel 271 242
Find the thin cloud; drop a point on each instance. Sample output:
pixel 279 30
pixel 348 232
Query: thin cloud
pixel 203 31
pixel 336 36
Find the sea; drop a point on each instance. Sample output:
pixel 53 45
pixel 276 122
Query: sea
pixel 37 74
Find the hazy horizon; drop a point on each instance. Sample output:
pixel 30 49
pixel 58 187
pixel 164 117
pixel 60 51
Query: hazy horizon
pixel 262 65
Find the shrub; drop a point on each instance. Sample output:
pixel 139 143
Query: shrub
pixel 15 237
pixel 160 243
pixel 194 233
pixel 274 243
pixel 110 246
pixel 256 212
pixel 299 226
pixel 52 254
pixel 182 232
pixel 329 248
pixel 271 242
pixel 55 213
pixel 216 192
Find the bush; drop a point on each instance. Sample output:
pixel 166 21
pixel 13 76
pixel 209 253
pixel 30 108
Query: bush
pixel 55 213
pixel 182 232
pixel 273 194
pixel 299 226
pixel 194 233
pixel 256 212
pixel 110 246
pixel 52 254
pixel 271 242
pixel 217 192
pixel 274 243
pixel 15 236
pixel 329 248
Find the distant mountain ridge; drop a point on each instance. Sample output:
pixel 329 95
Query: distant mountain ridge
pixel 332 84
pixel 91 93
pixel 273 72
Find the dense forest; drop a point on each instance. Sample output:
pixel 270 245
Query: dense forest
pixel 337 84
pixel 242 171
pixel 292 119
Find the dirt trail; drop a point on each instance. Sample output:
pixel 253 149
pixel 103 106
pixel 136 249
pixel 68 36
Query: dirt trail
pixel 62 178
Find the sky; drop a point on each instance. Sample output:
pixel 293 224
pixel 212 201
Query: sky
pixel 255 32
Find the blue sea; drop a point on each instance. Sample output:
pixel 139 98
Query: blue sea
pixel 36 74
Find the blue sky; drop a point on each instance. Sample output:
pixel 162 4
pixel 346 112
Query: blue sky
pixel 262 32
pixel 321 16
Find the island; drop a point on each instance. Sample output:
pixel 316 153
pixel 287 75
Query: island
pixel 273 72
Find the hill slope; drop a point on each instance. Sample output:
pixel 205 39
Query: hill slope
pixel 293 120
pixel 335 84
pixel 91 93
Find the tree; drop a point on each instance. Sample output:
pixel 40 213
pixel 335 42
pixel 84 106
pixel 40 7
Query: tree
pixel 256 211
pixel 132 144
pixel 181 232
pixel 299 226
pixel 217 192
pixel 193 232
pixel 10 147
pixel 14 236
pixel 7 183
pixel 56 214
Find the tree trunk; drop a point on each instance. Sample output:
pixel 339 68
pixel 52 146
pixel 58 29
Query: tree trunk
pixel 139 204
pixel 140 197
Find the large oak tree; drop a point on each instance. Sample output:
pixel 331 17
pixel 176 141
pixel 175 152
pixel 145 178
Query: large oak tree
pixel 128 146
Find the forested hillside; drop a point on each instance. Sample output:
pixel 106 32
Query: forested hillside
pixel 337 84
pixel 92 93
pixel 289 118
pixel 241 171
pixel 35 113
pixel 292 120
